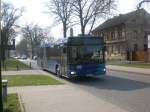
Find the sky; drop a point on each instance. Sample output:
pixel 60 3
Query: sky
pixel 35 13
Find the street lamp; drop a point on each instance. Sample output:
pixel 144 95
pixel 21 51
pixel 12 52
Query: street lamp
pixel 148 47
pixel 1 101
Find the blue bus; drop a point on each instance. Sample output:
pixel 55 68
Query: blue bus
pixel 74 57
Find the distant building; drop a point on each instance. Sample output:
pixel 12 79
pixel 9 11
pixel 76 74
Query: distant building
pixel 126 35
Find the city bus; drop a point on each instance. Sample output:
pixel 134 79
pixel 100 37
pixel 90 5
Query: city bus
pixel 80 56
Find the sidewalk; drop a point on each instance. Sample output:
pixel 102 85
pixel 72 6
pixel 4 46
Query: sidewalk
pixel 129 69
pixel 61 98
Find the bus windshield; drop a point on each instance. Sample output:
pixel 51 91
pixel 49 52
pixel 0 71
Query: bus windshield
pixel 86 54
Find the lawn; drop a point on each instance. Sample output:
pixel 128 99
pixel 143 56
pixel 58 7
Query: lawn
pixel 12 104
pixel 30 80
pixel 11 64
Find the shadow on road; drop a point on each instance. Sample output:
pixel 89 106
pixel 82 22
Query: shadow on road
pixel 109 82
pixel 112 83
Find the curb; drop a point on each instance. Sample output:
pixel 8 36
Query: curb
pixel 21 103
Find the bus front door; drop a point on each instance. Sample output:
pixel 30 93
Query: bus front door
pixel 64 64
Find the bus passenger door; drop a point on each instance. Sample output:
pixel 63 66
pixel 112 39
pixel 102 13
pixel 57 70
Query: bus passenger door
pixel 44 63
pixel 64 61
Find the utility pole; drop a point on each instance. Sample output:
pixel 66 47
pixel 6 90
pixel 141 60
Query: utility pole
pixel 1 99
pixel 148 47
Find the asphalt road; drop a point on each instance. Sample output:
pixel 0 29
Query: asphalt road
pixel 129 91
pixel 126 90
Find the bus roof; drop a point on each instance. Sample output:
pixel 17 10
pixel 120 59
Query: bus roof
pixel 58 42
pixel 88 40
pixel 76 40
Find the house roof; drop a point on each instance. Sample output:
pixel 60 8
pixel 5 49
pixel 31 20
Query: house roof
pixel 122 18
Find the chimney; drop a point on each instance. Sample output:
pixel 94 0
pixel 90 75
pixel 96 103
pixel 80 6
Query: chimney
pixel 71 32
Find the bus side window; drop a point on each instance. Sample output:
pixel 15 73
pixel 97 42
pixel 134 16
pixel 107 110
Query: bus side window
pixel 74 52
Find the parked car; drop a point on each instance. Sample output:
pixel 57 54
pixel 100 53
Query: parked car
pixel 24 57
pixel 18 57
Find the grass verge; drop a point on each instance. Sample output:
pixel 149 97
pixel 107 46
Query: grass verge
pixel 11 64
pixel 30 80
pixel 12 104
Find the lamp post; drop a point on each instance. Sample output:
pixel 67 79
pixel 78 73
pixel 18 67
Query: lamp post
pixel 148 47
pixel 1 101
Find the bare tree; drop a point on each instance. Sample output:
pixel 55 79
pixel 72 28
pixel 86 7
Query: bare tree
pixel 34 35
pixel 9 16
pixel 142 2
pixel 21 47
pixel 62 9
pixel 88 10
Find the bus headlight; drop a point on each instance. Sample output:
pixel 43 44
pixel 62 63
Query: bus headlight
pixel 72 73
pixel 104 69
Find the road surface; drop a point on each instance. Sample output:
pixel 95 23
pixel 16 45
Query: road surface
pixel 126 90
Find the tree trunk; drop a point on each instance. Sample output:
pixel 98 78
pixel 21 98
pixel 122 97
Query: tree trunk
pixel 83 30
pixel 82 26
pixel 3 43
pixel 92 24
pixel 81 19
pixel 64 29
pixel 32 49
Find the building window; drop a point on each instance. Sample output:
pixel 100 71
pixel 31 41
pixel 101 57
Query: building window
pixel 112 49
pixel 145 37
pixel 109 50
pixel 119 34
pixel 119 49
pixel 112 36
pixel 102 34
pixel 135 47
pixel 135 34
pixel 123 33
pixel 134 21
pixel 115 49
pixel 107 35
pixel 145 47
pixel 116 33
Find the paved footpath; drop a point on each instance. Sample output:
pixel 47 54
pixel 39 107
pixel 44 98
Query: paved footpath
pixel 129 69
pixel 58 98
pixel 61 98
